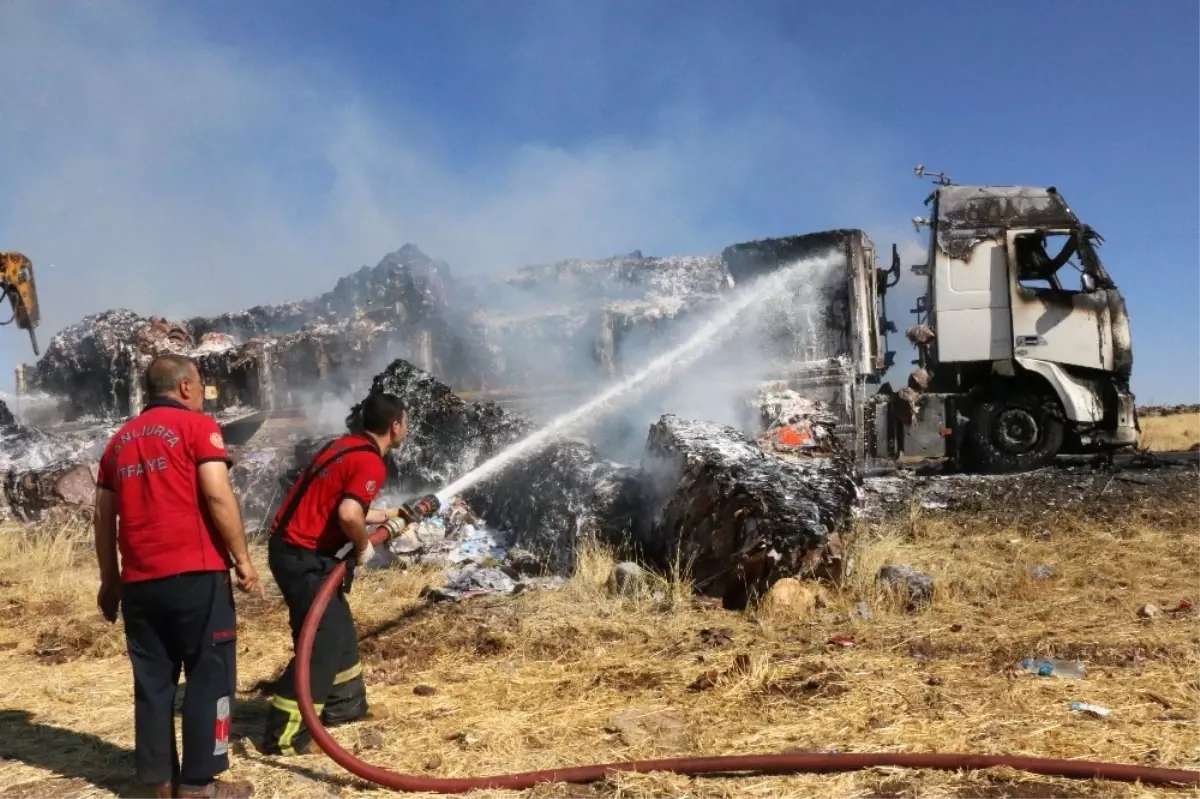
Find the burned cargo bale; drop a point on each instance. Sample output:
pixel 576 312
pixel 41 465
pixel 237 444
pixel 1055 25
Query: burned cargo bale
pixel 813 317
pixel 401 306
pixel 257 322
pixel 558 499
pixel 546 504
pixel 7 420
pixel 23 447
pixel 447 436
pixel 258 478
pixel 739 518
pixel 29 494
pixel 407 282
pixel 326 358
pixel 624 277
pixel 97 362
pixel 580 320
pixel 792 423
pixel 550 349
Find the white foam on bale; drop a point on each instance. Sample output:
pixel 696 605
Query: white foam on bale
pixel 26 448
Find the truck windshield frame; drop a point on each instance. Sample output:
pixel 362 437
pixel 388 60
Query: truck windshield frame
pixel 1036 263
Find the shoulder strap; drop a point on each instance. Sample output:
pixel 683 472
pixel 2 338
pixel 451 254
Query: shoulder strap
pixel 310 474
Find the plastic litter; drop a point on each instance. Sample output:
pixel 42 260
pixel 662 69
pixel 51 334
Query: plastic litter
pixel 1052 667
pixel 1091 710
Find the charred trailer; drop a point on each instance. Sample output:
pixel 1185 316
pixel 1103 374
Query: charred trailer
pixel 1022 338
pixel 826 333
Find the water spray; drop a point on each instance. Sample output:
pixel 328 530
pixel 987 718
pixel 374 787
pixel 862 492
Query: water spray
pixel 657 370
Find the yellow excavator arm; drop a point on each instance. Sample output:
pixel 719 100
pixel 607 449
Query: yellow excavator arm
pixel 16 281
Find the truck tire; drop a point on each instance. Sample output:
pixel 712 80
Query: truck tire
pixel 1014 429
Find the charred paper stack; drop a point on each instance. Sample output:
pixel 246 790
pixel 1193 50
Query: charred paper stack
pixel 546 503
pixel 447 436
pixel 737 517
pixel 31 495
pixel 94 363
pixel 559 499
pixel 400 307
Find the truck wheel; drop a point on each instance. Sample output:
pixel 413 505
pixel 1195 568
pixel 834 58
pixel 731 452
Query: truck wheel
pixel 1014 430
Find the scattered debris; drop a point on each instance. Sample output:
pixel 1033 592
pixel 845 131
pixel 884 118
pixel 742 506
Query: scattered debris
pixel 561 495
pixel 707 679
pixel 935 680
pixel 862 610
pixel 424 690
pixel 1148 611
pixel 1096 711
pixel 476 581
pixel 1052 667
pixel 716 636
pixel 842 640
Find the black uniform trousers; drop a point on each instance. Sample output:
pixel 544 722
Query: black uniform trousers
pixel 338 691
pixel 182 623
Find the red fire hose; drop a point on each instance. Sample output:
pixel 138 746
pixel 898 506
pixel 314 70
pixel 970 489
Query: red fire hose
pixel 767 764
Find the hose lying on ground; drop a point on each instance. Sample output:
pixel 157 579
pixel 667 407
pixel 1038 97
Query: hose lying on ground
pixel 763 764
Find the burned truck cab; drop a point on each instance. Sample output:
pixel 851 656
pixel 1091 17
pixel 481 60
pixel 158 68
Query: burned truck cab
pixel 1023 339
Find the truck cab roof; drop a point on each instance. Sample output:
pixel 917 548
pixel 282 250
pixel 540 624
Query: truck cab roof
pixel 1003 207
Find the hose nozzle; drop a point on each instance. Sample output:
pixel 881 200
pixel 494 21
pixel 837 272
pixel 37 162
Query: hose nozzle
pixel 420 508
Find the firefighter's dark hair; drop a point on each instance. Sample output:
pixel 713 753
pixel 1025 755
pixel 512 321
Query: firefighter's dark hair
pixel 380 410
pixel 166 372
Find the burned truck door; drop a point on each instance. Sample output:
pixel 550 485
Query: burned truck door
pixel 1057 314
pixel 971 305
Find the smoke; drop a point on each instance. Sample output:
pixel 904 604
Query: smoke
pixel 181 176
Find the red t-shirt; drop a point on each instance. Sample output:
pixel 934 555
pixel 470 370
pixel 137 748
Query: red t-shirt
pixel 151 464
pixel 350 468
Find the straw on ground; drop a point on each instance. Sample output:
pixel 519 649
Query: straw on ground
pixel 541 680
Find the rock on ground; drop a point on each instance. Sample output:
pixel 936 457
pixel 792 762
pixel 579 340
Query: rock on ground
pixel 627 579
pixel 792 597
pixel 737 517
pixel 913 585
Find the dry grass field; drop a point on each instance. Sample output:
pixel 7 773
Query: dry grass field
pixel 541 679
pixel 1170 433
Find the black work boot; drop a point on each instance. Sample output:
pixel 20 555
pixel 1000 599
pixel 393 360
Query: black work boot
pixel 347 702
pixel 285 733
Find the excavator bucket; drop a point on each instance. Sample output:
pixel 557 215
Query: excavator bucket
pixel 17 282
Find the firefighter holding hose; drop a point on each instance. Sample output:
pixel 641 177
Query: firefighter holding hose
pixel 324 518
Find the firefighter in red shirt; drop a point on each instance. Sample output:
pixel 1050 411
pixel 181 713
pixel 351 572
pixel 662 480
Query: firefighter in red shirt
pixel 324 515
pixel 164 501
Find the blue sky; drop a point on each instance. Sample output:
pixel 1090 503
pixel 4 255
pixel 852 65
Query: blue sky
pixel 192 158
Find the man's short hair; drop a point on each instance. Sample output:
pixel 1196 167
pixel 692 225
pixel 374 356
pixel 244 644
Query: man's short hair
pixel 166 372
pixel 380 410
